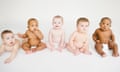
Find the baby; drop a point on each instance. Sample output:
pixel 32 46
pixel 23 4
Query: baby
pixel 104 35
pixel 10 44
pixel 56 35
pixel 78 42
pixel 33 36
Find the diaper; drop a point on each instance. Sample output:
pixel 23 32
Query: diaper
pixel 105 48
pixel 56 45
pixel 33 47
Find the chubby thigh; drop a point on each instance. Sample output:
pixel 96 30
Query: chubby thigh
pixel 78 44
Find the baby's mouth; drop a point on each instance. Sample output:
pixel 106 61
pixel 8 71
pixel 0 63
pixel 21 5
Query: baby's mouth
pixel 11 43
pixel 56 26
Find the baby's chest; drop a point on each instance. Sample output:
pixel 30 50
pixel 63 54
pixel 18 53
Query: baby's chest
pixel 57 34
pixel 80 38
pixel 104 34
pixel 8 48
pixel 31 35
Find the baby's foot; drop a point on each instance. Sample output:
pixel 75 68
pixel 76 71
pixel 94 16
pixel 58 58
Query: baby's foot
pixel 34 50
pixel 52 49
pixel 59 49
pixel 87 53
pixel 103 55
pixel 28 52
pixel 115 55
pixel 76 52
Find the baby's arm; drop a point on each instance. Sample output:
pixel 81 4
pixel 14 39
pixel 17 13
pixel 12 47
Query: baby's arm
pixel 13 53
pixel 39 34
pixel 50 38
pixel 22 35
pixel 112 37
pixel 62 39
pixel 95 36
pixel 1 49
pixel 71 42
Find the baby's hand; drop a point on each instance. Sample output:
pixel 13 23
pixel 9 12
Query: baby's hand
pixel 20 35
pixel 8 60
pixel 97 41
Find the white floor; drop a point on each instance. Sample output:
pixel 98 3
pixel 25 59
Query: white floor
pixel 46 61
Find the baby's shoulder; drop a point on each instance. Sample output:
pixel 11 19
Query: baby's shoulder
pixel 75 33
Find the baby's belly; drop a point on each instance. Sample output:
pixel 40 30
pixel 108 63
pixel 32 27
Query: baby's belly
pixel 78 44
pixel 56 40
pixel 34 42
pixel 104 41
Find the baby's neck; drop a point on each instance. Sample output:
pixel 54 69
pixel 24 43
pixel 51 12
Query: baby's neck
pixel 81 32
pixel 57 29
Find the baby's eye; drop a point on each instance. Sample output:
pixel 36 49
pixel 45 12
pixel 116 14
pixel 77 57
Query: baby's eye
pixel 82 25
pixel 107 24
pixel 58 22
pixel 86 26
pixel 12 37
pixel 7 38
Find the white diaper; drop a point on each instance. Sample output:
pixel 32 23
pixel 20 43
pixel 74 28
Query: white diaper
pixel 33 47
pixel 56 45
pixel 105 48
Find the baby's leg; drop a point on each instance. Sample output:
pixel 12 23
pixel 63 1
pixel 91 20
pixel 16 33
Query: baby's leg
pixel 114 47
pixel 61 47
pixel 99 50
pixel 86 50
pixel 49 46
pixel 69 48
pixel 40 47
pixel 26 47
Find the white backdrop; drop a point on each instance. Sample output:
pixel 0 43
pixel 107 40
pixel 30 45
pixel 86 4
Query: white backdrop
pixel 15 13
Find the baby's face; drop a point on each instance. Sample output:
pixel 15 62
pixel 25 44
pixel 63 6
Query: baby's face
pixel 9 39
pixel 57 23
pixel 33 26
pixel 83 26
pixel 105 25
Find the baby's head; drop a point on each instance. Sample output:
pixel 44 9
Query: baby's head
pixel 105 23
pixel 8 37
pixel 57 22
pixel 32 24
pixel 82 24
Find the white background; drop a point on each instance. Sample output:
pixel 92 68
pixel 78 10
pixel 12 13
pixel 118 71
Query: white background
pixel 15 13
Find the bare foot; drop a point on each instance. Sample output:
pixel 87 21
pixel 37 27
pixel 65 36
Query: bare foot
pixel 103 55
pixel 59 49
pixel 87 53
pixel 115 55
pixel 34 50
pixel 77 52
pixel 28 52
pixel 52 49
pixel 8 60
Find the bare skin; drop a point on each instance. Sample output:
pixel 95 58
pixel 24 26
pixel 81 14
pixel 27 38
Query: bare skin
pixel 34 37
pixel 10 45
pixel 78 42
pixel 104 35
pixel 56 36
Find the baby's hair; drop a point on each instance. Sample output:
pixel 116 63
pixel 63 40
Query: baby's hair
pixel 5 32
pixel 104 19
pixel 32 19
pixel 58 16
pixel 82 19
